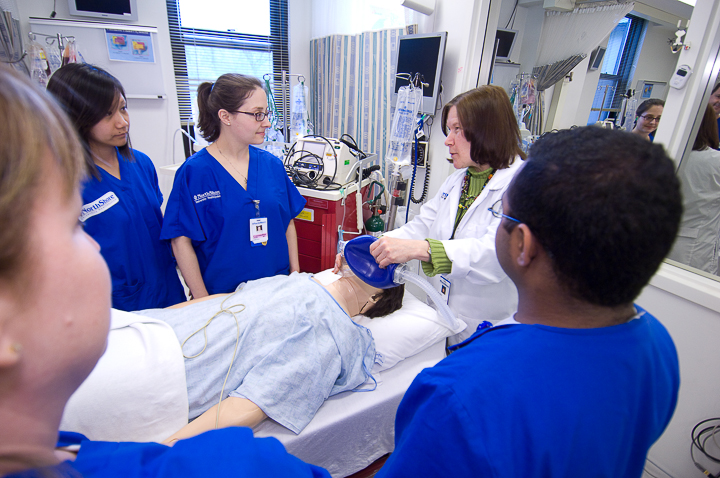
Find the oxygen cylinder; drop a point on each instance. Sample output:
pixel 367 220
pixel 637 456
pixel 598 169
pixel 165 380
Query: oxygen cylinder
pixel 375 225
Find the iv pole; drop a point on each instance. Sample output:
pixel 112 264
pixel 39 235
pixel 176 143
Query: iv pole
pixel 285 97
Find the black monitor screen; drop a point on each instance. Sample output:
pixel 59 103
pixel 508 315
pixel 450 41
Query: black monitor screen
pixel 419 55
pixel 117 7
pixel 506 37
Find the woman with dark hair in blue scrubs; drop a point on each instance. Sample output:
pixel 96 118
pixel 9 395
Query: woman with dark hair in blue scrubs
pixel 230 213
pixel 121 197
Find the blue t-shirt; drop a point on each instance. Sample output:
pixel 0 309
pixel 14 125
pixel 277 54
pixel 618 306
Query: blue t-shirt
pixel 211 208
pixel 532 401
pixel 124 217
pixel 224 452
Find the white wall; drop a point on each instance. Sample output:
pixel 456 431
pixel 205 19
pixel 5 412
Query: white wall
pixel 656 62
pixel 688 305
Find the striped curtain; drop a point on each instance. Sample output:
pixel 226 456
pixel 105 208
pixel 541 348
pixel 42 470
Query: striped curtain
pixel 352 81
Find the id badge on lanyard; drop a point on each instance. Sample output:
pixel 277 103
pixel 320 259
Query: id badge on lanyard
pixel 445 285
pixel 258 227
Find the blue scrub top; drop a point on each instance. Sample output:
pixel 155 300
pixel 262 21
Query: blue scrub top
pixel 211 208
pixel 124 217
pixel 224 452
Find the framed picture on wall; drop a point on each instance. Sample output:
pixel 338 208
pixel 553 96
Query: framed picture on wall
pixel 645 89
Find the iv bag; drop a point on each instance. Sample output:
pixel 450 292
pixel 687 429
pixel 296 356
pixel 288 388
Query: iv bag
pixel 299 125
pixel 39 69
pixel 403 126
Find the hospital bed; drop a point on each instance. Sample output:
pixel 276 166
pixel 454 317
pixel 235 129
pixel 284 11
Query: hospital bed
pixel 349 431
pixel 352 430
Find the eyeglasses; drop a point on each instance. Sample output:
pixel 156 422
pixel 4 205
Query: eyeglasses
pixel 651 118
pixel 258 116
pixel 496 211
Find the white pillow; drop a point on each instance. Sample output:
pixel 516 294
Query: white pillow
pixel 405 332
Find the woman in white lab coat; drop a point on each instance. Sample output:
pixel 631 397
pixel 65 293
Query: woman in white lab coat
pixel 454 233
pixel 698 242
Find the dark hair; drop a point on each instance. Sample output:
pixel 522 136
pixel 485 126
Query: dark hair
pixel 715 89
pixel 229 93
pixel 707 136
pixel 605 205
pixel 34 128
pixel 87 93
pixel 489 124
pixel 647 104
pixel 389 302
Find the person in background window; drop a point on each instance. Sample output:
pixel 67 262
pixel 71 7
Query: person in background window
pixel 698 242
pixel 648 118
pixel 222 194
pixel 714 102
pixel 121 196
pixel 454 233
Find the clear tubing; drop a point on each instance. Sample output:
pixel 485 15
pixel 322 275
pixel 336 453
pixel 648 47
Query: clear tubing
pixel 403 274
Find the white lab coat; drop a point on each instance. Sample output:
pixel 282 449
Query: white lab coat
pixel 480 290
pixel 699 237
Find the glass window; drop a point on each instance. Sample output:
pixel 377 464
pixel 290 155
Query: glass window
pixel 623 47
pixel 213 37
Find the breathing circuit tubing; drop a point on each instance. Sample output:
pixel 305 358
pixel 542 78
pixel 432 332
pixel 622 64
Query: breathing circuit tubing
pixel 357 255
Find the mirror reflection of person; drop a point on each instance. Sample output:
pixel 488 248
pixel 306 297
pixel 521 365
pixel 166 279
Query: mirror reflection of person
pixel 578 375
pixel 714 102
pixel 454 234
pixel 647 118
pixel 698 242
pixel 55 291
pixel 219 189
pixel 121 195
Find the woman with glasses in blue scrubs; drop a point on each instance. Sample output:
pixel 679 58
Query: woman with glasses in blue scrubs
pixel 121 197
pixel 230 214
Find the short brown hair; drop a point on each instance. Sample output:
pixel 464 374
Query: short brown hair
pixel 707 136
pixel 229 93
pixel 647 104
pixel 489 124
pixel 33 128
pixel 389 302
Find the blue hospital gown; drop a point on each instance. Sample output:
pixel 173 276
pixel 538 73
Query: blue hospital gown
pixel 297 347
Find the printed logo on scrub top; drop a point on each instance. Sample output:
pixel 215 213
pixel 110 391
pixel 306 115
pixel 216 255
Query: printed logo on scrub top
pixel 99 205
pixel 198 198
pixel 444 196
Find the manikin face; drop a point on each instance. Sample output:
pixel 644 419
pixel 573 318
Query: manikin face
pixel 649 120
pixel 458 146
pixel 64 321
pixel 113 129
pixel 715 102
pixel 246 127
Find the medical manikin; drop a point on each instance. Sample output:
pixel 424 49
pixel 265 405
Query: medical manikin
pixel 281 334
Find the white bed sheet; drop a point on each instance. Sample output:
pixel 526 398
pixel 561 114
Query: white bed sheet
pixel 353 429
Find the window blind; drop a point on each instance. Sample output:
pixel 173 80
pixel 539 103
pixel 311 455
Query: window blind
pixel 207 46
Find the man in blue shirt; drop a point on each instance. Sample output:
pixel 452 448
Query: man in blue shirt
pixel 579 378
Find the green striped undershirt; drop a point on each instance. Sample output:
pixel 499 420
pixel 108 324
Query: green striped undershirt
pixel 439 262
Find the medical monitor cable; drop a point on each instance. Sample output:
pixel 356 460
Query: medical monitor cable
pixel 697 441
pixel 292 169
pixel 222 310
